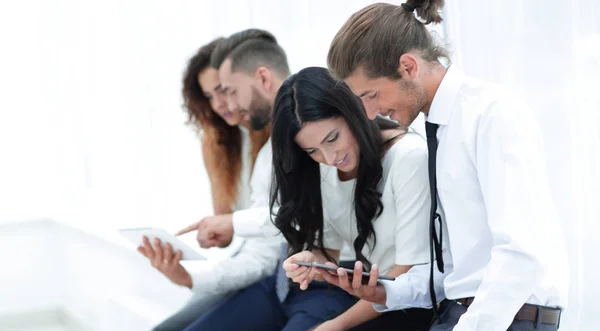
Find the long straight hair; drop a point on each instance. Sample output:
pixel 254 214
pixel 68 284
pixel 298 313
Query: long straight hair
pixel 296 203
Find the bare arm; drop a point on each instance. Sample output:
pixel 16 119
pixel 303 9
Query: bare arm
pixel 219 205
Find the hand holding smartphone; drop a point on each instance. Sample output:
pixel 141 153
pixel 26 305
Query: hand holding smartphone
pixel 365 278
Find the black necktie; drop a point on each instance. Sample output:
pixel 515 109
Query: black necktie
pixel 435 245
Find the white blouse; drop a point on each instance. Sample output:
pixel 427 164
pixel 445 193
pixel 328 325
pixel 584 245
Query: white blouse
pixel 402 229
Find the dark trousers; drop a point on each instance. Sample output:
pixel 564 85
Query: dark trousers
pixel 258 308
pixel 452 311
pixel 193 309
pixel 400 320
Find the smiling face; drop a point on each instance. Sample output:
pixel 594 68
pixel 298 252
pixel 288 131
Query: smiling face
pixel 211 87
pixel 330 141
pixel 401 99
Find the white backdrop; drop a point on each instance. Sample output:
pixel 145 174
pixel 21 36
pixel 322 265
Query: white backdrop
pixel 91 128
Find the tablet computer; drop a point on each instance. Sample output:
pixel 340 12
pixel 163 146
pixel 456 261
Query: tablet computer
pixel 135 235
pixel 350 272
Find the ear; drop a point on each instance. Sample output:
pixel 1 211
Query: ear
pixel 265 77
pixel 408 66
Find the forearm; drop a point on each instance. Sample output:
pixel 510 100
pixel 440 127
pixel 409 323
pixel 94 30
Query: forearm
pixel 256 260
pixel 361 312
pixel 220 208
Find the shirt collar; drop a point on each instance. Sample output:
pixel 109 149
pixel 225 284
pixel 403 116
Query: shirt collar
pixel 445 96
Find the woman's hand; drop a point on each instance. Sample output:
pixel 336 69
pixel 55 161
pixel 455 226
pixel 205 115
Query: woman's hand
pixel 373 291
pixel 167 262
pixel 300 274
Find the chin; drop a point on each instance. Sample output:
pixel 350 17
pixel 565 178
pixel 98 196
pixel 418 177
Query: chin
pixel 402 122
pixel 395 117
pixel 232 122
pixel 350 169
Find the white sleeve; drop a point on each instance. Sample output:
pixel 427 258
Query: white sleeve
pixel 411 289
pixel 512 177
pixel 253 222
pixel 256 260
pixel 410 180
pixel 256 220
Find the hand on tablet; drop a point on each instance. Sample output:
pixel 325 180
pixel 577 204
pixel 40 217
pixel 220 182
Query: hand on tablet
pixel 300 274
pixel 372 292
pixel 213 231
pixel 164 260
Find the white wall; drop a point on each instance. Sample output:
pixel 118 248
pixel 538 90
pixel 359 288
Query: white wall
pixel 92 134
pixel 91 128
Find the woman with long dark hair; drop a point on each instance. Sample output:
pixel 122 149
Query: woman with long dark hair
pixel 229 149
pixel 339 177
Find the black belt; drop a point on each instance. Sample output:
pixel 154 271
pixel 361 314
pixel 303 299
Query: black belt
pixel 546 315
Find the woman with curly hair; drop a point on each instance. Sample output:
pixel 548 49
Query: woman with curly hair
pixel 229 150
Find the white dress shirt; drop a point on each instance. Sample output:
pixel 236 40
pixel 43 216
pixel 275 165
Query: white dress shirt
pixel 411 289
pixel 401 229
pixel 257 257
pixel 256 220
pixel 503 232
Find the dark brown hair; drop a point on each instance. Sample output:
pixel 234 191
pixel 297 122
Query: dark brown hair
pixel 249 49
pixel 375 37
pixel 312 95
pixel 221 143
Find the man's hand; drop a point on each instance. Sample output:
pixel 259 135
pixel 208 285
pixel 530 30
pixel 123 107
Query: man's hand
pixel 372 292
pixel 166 262
pixel 212 231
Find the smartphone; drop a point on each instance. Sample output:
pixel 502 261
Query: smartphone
pixel 365 278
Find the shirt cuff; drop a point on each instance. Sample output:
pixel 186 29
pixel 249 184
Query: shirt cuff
pixel 249 222
pixel 396 292
pixel 411 290
pixel 202 274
